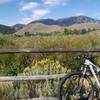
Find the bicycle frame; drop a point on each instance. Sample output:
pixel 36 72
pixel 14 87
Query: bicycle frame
pixel 91 67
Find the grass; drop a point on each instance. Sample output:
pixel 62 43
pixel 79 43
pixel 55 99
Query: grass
pixel 90 40
pixel 62 41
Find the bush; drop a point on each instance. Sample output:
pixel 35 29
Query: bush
pixel 12 65
pixel 44 67
pixel 30 89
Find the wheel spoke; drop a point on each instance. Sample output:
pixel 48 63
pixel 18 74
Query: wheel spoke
pixel 75 87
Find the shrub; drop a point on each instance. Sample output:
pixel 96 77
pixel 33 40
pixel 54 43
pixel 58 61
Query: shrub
pixel 30 89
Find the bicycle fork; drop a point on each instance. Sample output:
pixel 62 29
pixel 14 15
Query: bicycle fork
pixel 94 75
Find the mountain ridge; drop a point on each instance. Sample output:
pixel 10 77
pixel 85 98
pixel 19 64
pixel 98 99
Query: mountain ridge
pixel 4 29
pixel 67 21
pixel 47 23
pixel 18 26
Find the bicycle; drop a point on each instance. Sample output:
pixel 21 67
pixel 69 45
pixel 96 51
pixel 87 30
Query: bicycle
pixel 81 85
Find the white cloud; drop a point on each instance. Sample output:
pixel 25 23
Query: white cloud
pixel 39 10
pixel 55 2
pixel 37 14
pixel 40 13
pixel 29 5
pixel 26 20
pixel 5 1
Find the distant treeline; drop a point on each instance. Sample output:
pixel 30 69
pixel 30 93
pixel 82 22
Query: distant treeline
pixel 77 32
pixel 65 32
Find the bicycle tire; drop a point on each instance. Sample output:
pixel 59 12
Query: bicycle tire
pixel 67 77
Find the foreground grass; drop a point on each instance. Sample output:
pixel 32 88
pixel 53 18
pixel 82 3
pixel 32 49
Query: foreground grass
pixel 90 40
pixel 57 41
pixel 15 64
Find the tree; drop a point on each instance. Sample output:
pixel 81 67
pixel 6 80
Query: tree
pixel 83 31
pixel 93 29
pixel 27 34
pixel 89 30
pixel 66 31
pixel 75 31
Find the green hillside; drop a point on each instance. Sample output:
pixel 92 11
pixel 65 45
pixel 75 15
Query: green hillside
pixel 6 29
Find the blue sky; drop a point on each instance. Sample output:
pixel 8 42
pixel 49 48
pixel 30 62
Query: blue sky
pixel 25 11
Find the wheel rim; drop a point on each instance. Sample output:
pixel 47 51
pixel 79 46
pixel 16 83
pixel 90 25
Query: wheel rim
pixel 75 88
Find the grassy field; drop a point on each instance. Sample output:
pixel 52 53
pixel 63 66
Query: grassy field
pixel 32 64
pixel 89 40
pixel 68 41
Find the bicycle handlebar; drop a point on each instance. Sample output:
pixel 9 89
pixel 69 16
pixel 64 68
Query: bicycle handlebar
pixel 89 57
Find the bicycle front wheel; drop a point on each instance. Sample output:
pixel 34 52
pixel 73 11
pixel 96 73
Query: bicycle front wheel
pixel 75 87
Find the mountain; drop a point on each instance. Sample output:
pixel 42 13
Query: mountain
pixel 67 21
pixel 6 29
pixel 34 28
pixel 45 21
pixel 76 20
pixel 18 26
pixel 85 26
pixel 50 25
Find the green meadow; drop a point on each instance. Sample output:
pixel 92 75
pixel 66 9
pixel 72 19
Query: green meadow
pixel 41 64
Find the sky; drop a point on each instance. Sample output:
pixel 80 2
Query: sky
pixel 24 11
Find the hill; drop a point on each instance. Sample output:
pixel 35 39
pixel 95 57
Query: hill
pixel 18 26
pixel 50 25
pixel 85 26
pixel 6 29
pixel 68 21
pixel 45 21
pixel 34 28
